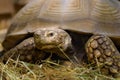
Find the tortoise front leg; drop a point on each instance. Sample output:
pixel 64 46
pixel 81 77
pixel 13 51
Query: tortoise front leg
pixel 102 52
pixel 25 51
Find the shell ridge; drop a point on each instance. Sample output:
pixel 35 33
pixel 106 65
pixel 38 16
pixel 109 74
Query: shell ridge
pixel 29 12
pixel 106 11
pixel 24 16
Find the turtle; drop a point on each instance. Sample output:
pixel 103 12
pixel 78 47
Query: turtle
pixel 73 27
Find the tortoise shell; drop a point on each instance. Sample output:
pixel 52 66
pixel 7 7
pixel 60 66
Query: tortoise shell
pixel 83 16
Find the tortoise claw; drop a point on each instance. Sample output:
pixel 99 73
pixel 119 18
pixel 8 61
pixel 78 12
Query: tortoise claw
pixel 102 52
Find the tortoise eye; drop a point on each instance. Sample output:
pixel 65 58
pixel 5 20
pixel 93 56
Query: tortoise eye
pixel 50 34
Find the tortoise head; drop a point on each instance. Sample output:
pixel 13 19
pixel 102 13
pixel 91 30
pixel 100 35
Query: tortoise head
pixel 52 39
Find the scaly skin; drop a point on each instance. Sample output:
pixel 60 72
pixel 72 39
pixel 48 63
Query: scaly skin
pixel 25 51
pixel 45 40
pixel 53 40
pixel 102 52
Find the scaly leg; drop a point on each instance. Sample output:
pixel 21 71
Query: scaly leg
pixel 25 51
pixel 102 52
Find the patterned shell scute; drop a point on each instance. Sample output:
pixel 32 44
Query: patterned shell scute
pixel 62 10
pixel 54 10
pixel 84 16
pixel 106 11
pixel 80 15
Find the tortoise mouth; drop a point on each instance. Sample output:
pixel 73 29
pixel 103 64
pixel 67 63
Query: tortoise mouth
pixel 51 46
pixel 48 47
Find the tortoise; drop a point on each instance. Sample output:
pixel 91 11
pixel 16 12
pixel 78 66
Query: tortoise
pixel 45 26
